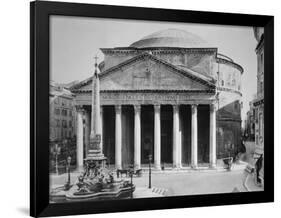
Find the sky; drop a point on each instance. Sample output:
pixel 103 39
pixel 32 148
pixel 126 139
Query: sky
pixel 75 41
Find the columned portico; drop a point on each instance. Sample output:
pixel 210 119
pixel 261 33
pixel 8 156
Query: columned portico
pixel 137 137
pixel 179 140
pixel 194 135
pixel 157 137
pixel 213 157
pixel 79 147
pixel 118 137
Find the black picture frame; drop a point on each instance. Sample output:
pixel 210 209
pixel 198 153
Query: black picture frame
pixel 39 107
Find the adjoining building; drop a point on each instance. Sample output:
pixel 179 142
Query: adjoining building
pixel 259 101
pixel 62 113
pixel 171 95
pixel 249 125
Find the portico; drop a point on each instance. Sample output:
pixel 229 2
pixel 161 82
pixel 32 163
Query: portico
pixel 167 131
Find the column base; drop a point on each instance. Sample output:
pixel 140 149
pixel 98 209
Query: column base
pixel 137 166
pixel 157 167
pixel 177 167
pixel 118 167
pixel 80 168
pixel 194 167
pixel 213 166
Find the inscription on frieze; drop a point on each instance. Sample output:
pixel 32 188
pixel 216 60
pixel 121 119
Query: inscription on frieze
pixel 151 96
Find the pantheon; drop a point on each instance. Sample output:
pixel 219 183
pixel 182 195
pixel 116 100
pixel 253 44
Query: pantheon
pixel 170 95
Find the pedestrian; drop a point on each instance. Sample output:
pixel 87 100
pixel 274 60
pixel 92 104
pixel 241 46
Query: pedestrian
pixel 258 167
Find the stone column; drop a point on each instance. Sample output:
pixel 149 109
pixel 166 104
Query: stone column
pixel 87 130
pixel 101 128
pixel 137 137
pixel 79 138
pixel 157 137
pixel 118 137
pixel 213 156
pixel 194 136
pixel 176 147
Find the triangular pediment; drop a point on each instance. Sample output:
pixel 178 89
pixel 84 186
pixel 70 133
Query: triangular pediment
pixel 146 72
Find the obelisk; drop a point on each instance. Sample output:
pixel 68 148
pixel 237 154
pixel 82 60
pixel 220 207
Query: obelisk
pixel 95 152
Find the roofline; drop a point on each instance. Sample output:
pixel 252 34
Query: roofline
pixel 158 49
pixel 209 91
pixel 223 61
pixel 260 43
pixel 186 72
pixel 189 73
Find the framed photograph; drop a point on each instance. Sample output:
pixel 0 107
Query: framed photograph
pixel 142 109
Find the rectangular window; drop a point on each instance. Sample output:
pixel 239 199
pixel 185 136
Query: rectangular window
pixel 57 123
pixel 57 111
pixel 260 124
pixel 64 112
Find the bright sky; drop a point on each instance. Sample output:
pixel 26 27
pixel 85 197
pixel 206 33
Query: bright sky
pixel 76 40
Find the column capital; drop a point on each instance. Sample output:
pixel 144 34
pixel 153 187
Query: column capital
pixel 213 107
pixel 157 107
pixel 137 108
pixel 194 107
pixel 118 108
pixel 80 109
pixel 175 107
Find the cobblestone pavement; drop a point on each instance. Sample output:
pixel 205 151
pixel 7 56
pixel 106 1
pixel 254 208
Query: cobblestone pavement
pixel 196 183
pixel 185 183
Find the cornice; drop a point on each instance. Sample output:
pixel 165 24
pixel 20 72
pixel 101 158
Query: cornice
pixel 233 64
pixel 258 102
pixel 260 44
pixel 229 119
pixel 209 91
pixel 156 50
pixel 229 90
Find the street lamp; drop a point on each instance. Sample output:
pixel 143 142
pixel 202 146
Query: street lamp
pixel 57 153
pixel 67 185
pixel 149 158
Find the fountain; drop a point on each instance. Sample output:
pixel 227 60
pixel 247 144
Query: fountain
pixel 96 182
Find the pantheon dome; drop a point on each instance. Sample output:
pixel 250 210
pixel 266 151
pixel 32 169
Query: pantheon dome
pixel 171 38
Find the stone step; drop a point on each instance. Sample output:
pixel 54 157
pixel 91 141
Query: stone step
pixel 160 191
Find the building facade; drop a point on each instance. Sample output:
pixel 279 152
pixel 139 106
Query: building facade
pixel 170 95
pixel 62 113
pixel 259 100
pixel 250 122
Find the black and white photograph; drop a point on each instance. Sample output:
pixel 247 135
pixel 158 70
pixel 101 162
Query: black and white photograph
pixel 141 108
pixel 150 109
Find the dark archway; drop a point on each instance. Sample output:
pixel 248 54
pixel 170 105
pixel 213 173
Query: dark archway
pixel 109 133
pixel 203 115
pixel 166 134
pixel 147 133
pixel 185 130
